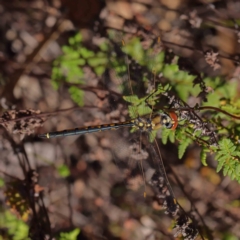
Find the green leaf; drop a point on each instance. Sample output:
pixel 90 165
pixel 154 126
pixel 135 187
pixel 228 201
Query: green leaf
pixel 220 165
pixel 225 170
pixel 2 182
pixel 76 95
pixel 70 235
pixel 74 76
pixel 99 70
pixel 183 146
pixel 132 110
pixel 227 146
pixel 134 48
pixel 86 53
pixel 131 99
pixel 172 136
pixel 237 170
pixel 165 135
pixel 63 170
pixel 71 41
pixel 203 157
pixel 104 46
pixel 143 110
pixel 16 228
pixel 93 62
pixel 67 49
pixel 152 136
pixel 166 88
pixel 78 38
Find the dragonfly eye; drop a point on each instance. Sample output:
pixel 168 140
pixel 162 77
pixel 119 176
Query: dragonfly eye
pixel 168 125
pixel 167 121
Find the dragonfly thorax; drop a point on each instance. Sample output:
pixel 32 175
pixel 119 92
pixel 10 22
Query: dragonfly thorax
pixel 143 124
pixel 154 123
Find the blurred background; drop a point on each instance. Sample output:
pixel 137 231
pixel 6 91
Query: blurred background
pixel 70 63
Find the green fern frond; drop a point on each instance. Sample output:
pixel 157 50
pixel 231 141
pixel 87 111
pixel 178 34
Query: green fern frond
pixel 203 156
pixel 221 162
pixel 231 109
pixel 70 235
pixel 77 95
pixel 183 146
pixel 133 99
pixel 228 159
pixel 167 134
pixel 143 106
pixel 152 136
pixel 16 228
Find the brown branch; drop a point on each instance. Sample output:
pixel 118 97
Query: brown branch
pixel 203 108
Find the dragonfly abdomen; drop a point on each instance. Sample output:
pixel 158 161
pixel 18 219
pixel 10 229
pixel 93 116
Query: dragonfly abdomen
pixel 85 130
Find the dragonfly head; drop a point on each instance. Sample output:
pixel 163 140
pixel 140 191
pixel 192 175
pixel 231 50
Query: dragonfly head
pixel 166 121
pixel 163 119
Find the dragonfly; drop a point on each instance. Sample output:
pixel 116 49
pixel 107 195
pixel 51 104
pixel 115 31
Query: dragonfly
pixel 144 124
